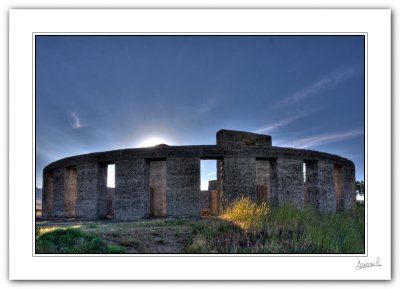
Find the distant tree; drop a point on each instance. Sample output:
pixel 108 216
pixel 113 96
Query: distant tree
pixel 360 188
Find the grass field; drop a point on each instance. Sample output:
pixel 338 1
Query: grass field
pixel 246 227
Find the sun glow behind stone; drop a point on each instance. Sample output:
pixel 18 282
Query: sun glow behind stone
pixel 152 141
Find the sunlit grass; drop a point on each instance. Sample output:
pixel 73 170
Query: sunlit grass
pixel 248 227
pixel 247 214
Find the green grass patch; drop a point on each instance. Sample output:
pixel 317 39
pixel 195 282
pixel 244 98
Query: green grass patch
pixel 68 241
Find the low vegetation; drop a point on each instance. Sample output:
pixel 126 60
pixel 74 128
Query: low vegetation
pixel 245 227
pixel 71 241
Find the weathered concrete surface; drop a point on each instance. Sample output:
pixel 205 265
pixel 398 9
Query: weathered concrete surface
pixel 131 190
pixel 263 179
pixel 87 183
pixel 102 191
pixel 326 187
pixel 70 193
pixel 290 182
pixel 242 138
pixel 239 179
pixel 338 174
pixel 247 165
pixel 158 189
pixel 312 195
pixel 214 198
pixel 183 187
pixel 58 193
pixel 47 196
pixel 110 202
pixel 349 182
pixel 205 199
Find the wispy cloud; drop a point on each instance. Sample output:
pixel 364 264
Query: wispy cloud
pixel 208 104
pixel 329 81
pixel 286 121
pixel 75 121
pixel 325 139
pixel 278 124
pixel 211 174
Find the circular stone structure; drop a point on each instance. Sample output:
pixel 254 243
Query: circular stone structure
pixel 164 181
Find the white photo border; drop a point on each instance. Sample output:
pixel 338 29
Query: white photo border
pixel 25 24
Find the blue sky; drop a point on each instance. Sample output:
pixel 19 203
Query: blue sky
pixel 98 93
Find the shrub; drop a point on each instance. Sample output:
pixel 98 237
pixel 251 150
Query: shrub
pixel 247 214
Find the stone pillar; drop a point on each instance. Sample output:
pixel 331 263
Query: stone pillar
pixel 312 191
pixel 220 183
pixel 102 191
pixel 183 187
pixel 338 175
pixel 47 195
pixel 326 186
pixel 239 179
pixel 349 189
pixel 131 190
pixel 58 192
pixel 87 182
pixel 263 179
pixel 158 188
pixel 213 198
pixel 290 182
pixel 70 192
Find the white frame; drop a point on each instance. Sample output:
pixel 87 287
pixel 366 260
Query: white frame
pixel 24 24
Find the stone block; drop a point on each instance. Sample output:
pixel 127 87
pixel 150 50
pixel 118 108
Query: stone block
pixel 88 190
pixel 58 193
pixel 326 186
pixel 239 179
pixel 242 138
pixel 290 182
pixel 131 190
pixel 183 187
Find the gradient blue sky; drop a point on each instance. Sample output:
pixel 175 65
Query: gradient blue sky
pixel 98 93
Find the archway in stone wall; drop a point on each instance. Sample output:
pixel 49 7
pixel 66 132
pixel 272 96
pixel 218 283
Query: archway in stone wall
pixel 211 178
pixel 110 190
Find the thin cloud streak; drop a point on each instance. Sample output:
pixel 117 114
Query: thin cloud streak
pixel 278 124
pixel 75 121
pixel 286 121
pixel 325 139
pixel 327 82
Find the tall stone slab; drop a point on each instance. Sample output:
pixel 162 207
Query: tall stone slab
pixel 239 179
pixel 47 195
pixel 326 186
pixel 290 182
pixel 58 192
pixel 263 179
pixel 349 190
pixel 158 188
pixel 131 190
pixel 183 187
pixel 220 183
pixel 312 192
pixel 102 191
pixel 87 189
